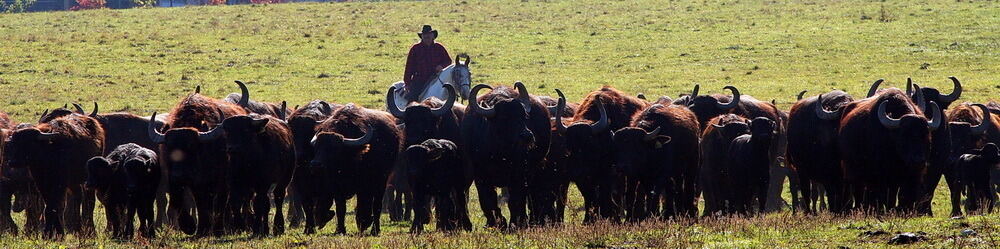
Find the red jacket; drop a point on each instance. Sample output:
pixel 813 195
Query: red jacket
pixel 421 62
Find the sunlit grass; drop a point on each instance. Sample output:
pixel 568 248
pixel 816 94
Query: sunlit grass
pixel 144 60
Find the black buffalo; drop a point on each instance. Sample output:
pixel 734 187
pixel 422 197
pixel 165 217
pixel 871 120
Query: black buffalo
pixel 658 153
pixel 356 147
pixel 437 171
pixel 812 146
pixel 505 135
pixel 429 119
pixel 973 171
pixel 126 182
pixel 261 161
pixel 303 122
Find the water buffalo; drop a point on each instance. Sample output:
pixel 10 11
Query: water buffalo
pixel 17 182
pixel 437 171
pixel 126 182
pixel 590 159
pixel 714 180
pixel 429 119
pixel 973 171
pixel 884 143
pixel 279 111
pixel 261 162
pixel 194 152
pixel 659 152
pixel 505 136
pixel 812 146
pixel 123 128
pixel 970 130
pixel 357 147
pixel 942 156
pixel 748 162
pixel 55 154
pixel 706 107
pixel 303 122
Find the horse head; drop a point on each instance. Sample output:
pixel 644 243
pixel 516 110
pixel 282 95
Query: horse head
pixel 460 76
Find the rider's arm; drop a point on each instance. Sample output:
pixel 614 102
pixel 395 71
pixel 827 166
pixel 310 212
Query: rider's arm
pixel 443 58
pixel 410 64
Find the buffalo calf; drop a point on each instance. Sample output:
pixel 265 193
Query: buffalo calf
pixel 126 182
pixel 436 170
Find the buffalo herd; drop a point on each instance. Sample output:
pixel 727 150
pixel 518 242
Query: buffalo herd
pixel 213 167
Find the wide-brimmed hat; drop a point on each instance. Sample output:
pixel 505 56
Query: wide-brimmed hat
pixel 428 29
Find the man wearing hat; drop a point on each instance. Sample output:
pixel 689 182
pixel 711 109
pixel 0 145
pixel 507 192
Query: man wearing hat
pixel 425 60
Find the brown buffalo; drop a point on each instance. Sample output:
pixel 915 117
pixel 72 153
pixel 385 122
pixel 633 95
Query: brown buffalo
pixel 55 154
pixel 714 181
pixel 659 154
pixel 279 111
pixel 194 152
pixel 591 160
pixel 884 143
pixel 971 129
pixel 357 148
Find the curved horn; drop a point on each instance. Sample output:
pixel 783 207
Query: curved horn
pixel 694 93
pixel 986 123
pixel 652 134
pixel 733 103
pixel 560 106
pixel 909 86
pixel 523 96
pixel 211 135
pixel 874 87
pixel 46 136
pixel 326 107
pixel 799 97
pixel 448 104
pixel 936 119
pixel 883 118
pixel 474 105
pixel 955 94
pixel 641 96
pixel 284 108
pixel 93 113
pixel 362 140
pixel 245 94
pixel 918 98
pixel 79 109
pixel 45 113
pixel 197 89
pixel 822 113
pixel 152 132
pixel 390 103
pixel 602 124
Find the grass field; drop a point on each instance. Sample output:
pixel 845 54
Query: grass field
pixel 144 60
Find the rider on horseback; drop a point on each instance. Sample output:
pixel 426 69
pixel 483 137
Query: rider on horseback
pixel 425 60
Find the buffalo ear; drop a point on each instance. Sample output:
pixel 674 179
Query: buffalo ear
pixel 259 124
pixel 661 140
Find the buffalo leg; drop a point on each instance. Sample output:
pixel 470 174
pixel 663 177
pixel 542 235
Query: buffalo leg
pixel 177 205
pixel 421 212
pixel 490 207
pixel 279 210
pixel 341 212
pixel 955 188
pixel 462 208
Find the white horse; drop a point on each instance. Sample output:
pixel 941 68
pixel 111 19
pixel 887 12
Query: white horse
pixel 456 75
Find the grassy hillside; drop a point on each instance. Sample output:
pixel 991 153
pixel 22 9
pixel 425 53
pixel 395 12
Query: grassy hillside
pixel 144 60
